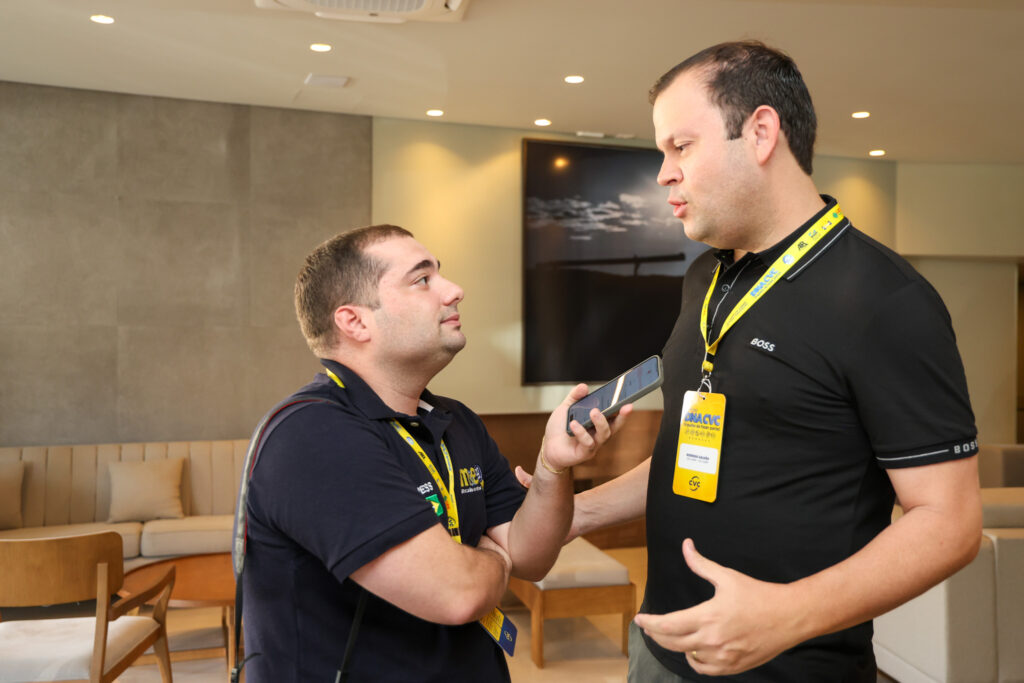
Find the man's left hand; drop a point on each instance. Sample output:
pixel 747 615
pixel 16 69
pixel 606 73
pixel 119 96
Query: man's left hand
pixel 745 624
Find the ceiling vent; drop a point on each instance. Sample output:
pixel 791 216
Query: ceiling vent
pixel 383 11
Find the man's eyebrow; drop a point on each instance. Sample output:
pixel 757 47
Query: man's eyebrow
pixel 425 264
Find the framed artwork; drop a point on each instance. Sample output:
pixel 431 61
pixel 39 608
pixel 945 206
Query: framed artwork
pixel 603 260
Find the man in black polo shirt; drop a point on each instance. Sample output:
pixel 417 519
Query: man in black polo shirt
pixel 811 374
pixel 386 491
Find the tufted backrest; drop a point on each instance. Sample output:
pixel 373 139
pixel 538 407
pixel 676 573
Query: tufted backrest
pixel 71 485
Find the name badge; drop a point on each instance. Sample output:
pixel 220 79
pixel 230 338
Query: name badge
pixel 699 453
pixel 500 628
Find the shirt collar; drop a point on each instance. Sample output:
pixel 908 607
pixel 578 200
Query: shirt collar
pixel 369 403
pixel 768 256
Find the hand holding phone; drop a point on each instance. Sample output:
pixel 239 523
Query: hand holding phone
pixel 638 381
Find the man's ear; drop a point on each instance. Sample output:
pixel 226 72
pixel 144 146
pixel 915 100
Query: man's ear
pixel 764 128
pixel 352 322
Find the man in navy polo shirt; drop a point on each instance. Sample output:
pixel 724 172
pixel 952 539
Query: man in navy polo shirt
pixel 811 374
pixel 387 491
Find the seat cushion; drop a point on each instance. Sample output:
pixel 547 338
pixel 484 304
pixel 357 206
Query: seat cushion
pixel 60 649
pixel 194 535
pixel 581 564
pixel 1002 508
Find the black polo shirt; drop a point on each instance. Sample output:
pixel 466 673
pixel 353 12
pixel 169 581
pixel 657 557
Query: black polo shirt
pixel 334 488
pixel 846 367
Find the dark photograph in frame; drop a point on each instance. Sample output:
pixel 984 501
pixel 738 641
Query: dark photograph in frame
pixel 603 260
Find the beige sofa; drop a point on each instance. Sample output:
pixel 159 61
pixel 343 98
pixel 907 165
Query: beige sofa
pixel 969 628
pixel 165 499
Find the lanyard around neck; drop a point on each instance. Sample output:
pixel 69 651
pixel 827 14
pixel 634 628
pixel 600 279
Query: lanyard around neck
pixel 447 492
pixel 787 260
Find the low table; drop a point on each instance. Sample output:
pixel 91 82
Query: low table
pixel 199 581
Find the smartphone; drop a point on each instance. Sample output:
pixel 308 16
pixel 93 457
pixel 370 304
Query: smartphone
pixel 639 380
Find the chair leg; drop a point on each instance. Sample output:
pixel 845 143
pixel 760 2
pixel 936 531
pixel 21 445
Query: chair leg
pixel 627 619
pixel 537 635
pixel 163 656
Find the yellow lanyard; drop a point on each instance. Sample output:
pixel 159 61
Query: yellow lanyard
pixel 447 492
pixel 789 258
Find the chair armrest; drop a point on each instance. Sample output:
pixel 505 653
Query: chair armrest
pixel 161 586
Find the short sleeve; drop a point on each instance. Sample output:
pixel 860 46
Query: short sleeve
pixel 326 480
pixel 908 381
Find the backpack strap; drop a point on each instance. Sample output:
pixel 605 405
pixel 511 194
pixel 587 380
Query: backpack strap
pixel 263 430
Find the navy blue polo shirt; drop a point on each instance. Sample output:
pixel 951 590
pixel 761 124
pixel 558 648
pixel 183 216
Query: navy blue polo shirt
pixel 334 488
pixel 848 366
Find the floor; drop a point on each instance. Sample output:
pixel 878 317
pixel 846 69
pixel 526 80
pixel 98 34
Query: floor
pixel 583 650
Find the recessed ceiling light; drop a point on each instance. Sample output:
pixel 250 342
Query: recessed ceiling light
pixel 101 19
pixel 435 112
pixel 320 47
pixel 574 79
pixel 860 114
pixel 877 153
pixel 542 122
pixel 560 162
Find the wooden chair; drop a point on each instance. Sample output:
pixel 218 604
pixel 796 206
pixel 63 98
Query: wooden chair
pixel 584 581
pixel 74 568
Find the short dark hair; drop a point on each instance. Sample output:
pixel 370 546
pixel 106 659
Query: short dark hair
pixel 336 273
pixel 740 77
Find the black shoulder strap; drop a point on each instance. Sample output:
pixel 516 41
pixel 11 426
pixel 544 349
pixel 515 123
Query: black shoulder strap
pixel 267 425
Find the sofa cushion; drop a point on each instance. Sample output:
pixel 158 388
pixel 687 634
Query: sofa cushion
pixel 145 490
pixel 581 564
pixel 1002 508
pixel 11 476
pixel 187 536
pixel 130 533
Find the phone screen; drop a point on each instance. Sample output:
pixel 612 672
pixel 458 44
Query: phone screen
pixel 628 386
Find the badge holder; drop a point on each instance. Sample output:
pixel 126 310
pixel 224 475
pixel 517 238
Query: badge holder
pixel 699 451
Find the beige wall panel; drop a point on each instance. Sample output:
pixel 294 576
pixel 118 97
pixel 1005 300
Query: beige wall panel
pixel 33 506
pixel 83 484
pixel 10 454
pixel 181 150
pixel 105 454
pixel 58 384
pixel 58 258
pixel 312 158
pixel 57 139
pixel 182 380
pixel 181 264
pixel 866 190
pixel 224 479
pixel 982 300
pixel 180 449
pixel 201 465
pixel 58 485
pixel 133 452
pixel 962 211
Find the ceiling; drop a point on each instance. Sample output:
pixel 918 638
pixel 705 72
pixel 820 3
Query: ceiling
pixel 943 79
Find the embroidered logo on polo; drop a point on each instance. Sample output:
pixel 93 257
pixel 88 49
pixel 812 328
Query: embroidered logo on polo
pixel 425 488
pixel 763 344
pixel 438 508
pixel 471 479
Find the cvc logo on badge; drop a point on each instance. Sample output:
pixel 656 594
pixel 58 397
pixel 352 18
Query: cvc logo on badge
pixel 694 482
